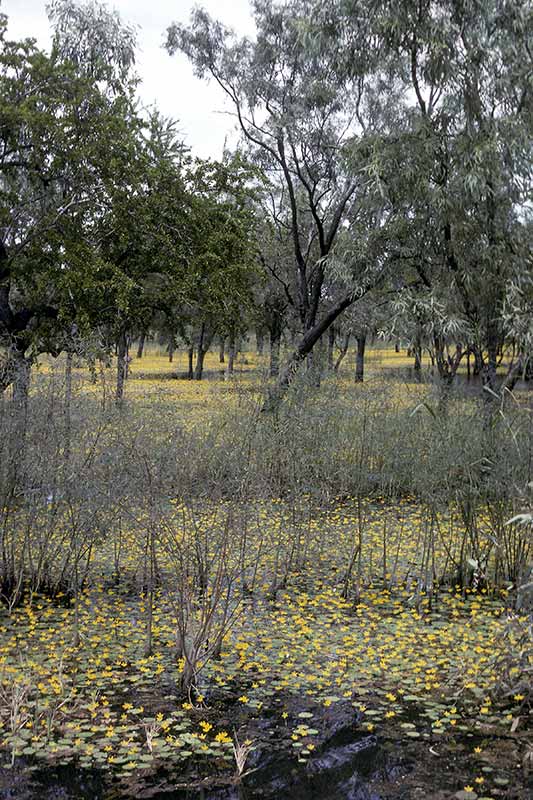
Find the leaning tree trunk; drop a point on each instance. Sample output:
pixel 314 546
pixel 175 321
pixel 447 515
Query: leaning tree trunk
pixel 342 352
pixel 303 348
pixel 360 359
pixel 140 347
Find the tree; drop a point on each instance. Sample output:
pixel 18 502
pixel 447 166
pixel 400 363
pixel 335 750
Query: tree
pixel 63 141
pixel 95 40
pixel 298 115
pixel 460 173
pixel 222 262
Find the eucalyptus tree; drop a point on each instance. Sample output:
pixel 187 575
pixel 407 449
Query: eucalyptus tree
pixel 460 173
pixel 95 40
pixel 299 115
pixel 275 292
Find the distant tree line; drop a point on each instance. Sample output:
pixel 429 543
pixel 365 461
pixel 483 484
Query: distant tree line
pixel 382 186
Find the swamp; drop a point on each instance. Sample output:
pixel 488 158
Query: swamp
pixel 266 407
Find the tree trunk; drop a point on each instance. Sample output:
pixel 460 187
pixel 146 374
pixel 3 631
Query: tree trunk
pixel 275 339
pixel 122 366
pixel 200 356
pixel 68 405
pixel 417 353
pixel 231 356
pixel 204 342
pixel 304 346
pixel 343 351
pixel 140 346
pixel 222 350
pixel 360 359
pixel 21 382
pixel 489 369
pixel 260 341
pixel 515 372
pixel 478 361
pixel 190 359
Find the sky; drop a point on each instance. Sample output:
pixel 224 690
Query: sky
pixel 200 108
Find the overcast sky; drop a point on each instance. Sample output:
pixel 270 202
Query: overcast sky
pixel 167 81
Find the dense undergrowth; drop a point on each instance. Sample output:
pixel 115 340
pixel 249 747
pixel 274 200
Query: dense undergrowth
pixel 177 569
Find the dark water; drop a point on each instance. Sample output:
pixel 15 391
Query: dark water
pixel 342 768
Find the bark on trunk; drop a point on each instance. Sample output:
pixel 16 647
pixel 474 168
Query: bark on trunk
pixel 21 382
pixel 275 337
pixel 231 356
pixel 343 351
pixel 360 359
pixel 190 362
pixel 204 342
pixel 122 366
pixel 68 405
pixel 478 361
pixel 199 368
pixel 222 350
pixel 488 373
pixel 417 353
pixel 140 346
pixel 304 346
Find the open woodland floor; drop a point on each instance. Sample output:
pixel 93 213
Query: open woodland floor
pixel 204 601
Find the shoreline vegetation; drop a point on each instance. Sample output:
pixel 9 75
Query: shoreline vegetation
pixel 200 589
